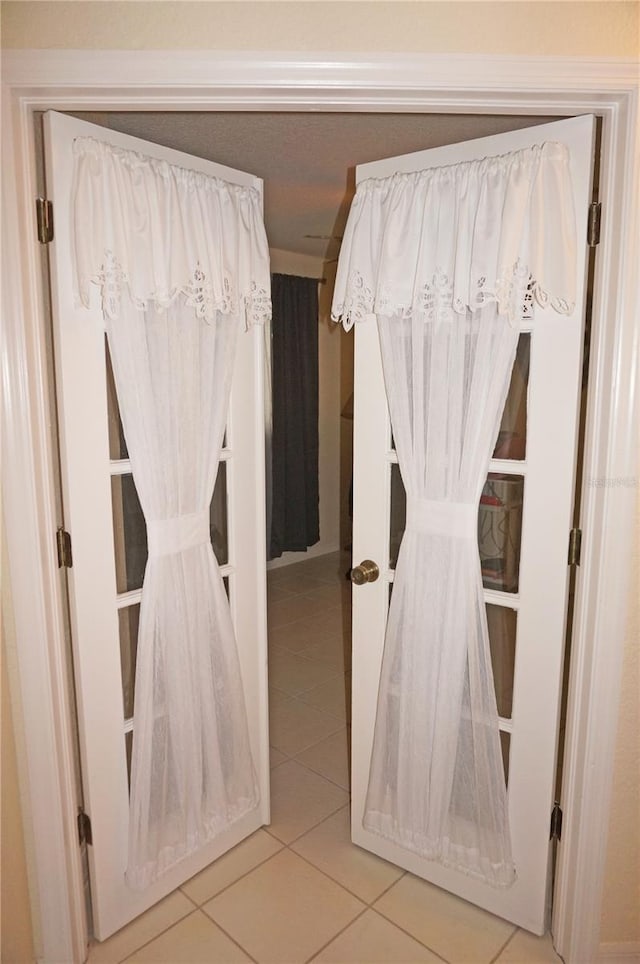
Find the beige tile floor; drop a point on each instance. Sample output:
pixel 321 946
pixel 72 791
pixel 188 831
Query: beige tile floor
pixel 299 890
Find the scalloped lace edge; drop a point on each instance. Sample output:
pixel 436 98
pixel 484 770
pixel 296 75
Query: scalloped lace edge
pixel 198 292
pixel 516 296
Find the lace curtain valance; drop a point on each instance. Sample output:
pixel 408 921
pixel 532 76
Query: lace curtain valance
pixel 446 240
pixel 160 230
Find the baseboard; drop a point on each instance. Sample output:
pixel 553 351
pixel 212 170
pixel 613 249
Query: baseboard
pixel 290 558
pixel 625 952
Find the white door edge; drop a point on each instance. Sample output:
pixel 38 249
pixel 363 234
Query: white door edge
pixel 42 79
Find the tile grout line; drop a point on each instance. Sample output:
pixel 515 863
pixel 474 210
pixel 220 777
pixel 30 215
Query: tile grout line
pixel 314 827
pixel 232 939
pixel 336 935
pixel 300 654
pixel 408 933
pixel 310 745
pixel 316 593
pixel 387 889
pixel 329 636
pixel 369 903
pixel 289 846
pixel 308 830
pixel 296 698
pixel 308 706
pixel 159 934
pixel 315 633
pixel 312 707
pixel 329 816
pixel 389 920
pixel 303 692
pixel 310 689
pixel 293 696
pixel 504 946
pixel 329 616
pixel 317 772
pixel 338 883
pixel 331 619
pixel 260 863
pixel 195 908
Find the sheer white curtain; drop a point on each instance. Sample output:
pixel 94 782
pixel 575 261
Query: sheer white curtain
pixel 449 260
pixel 182 261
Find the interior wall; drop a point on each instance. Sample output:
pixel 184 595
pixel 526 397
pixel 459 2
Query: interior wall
pixel 568 29
pixel 16 941
pixel 528 27
pixel 621 898
pixel 289 262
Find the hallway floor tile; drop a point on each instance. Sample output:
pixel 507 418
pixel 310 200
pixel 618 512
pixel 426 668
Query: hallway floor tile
pixel 299 891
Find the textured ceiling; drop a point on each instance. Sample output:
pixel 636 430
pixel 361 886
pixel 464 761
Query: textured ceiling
pixel 306 160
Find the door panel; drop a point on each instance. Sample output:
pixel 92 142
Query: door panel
pixel 109 547
pixel 523 528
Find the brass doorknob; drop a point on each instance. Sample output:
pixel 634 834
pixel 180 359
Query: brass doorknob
pixel 367 571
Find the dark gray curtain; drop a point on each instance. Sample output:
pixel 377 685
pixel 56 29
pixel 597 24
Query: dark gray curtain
pixel 294 326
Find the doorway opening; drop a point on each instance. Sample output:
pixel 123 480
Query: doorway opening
pixel 324 588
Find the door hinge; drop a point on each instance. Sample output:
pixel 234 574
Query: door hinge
pixel 593 229
pixel 63 544
pixel 44 220
pixel 84 827
pixel 575 545
pixel 555 832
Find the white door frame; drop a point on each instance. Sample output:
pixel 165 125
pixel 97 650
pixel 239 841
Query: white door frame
pixel 201 80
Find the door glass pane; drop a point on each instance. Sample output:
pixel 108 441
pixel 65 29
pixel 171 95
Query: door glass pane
pixel 502 641
pixel 129 533
pixel 218 517
pixel 499 531
pixel 499 527
pixel 130 530
pixel 117 444
pixel 130 536
pixel 512 437
pixel 398 514
pixel 128 620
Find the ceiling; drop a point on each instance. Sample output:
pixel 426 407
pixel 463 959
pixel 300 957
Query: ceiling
pixel 306 160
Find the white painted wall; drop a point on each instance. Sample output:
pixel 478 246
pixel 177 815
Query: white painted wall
pixel 621 898
pixel 16 930
pixel 553 28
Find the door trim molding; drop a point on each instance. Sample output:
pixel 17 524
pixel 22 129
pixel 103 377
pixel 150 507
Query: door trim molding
pixel 172 80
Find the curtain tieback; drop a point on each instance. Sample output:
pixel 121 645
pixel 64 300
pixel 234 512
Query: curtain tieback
pixel 457 519
pixel 168 536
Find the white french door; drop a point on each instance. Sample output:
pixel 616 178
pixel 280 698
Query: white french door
pixel 523 530
pixel 108 535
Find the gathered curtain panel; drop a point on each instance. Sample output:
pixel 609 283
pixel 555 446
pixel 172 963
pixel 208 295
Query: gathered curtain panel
pixel 449 260
pixel 182 263
pixel 295 512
